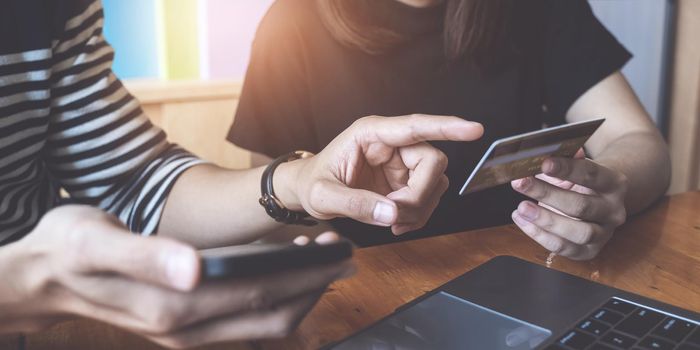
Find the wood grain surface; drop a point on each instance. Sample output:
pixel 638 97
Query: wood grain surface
pixel 656 254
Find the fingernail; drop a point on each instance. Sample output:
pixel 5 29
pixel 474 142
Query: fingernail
pixel 550 166
pixel 181 267
pixel 327 238
pixel 384 213
pixel 523 184
pixel 301 240
pixel 528 211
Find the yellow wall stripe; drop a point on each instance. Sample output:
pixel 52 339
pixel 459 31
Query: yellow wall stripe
pixel 179 38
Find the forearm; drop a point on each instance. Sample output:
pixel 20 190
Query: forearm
pixel 210 206
pixel 13 292
pixel 643 157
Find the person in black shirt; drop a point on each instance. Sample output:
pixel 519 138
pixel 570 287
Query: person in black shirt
pixel 514 66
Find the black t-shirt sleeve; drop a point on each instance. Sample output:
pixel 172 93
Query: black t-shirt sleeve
pixel 273 115
pixel 580 52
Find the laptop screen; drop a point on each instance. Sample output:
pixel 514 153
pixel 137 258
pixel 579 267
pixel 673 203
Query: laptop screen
pixel 443 321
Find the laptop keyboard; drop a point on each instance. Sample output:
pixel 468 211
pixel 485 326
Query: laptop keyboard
pixel 621 325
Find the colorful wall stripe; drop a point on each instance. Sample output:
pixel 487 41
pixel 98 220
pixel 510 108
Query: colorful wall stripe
pixel 130 28
pixel 182 39
pixel 230 27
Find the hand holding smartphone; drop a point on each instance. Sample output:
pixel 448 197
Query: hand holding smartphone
pixel 262 259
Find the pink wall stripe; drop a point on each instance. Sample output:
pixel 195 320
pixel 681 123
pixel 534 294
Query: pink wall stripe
pixel 230 29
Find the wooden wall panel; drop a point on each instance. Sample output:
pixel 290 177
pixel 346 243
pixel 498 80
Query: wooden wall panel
pixel 195 115
pixel 201 127
pixel 684 122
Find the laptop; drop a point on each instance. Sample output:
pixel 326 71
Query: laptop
pixel 508 303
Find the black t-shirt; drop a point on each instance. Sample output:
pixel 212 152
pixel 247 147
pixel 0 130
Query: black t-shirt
pixel 303 88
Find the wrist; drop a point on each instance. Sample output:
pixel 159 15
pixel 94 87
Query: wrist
pixel 286 183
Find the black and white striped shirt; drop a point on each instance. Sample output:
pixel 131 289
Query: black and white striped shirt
pixel 67 122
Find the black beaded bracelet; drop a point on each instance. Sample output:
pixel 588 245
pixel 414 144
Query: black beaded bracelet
pixel 273 206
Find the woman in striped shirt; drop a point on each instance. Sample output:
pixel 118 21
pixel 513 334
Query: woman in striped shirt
pixel 66 122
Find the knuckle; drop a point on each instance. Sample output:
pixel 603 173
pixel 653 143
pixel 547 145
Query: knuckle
pixel 582 208
pixel 364 121
pixel 291 321
pixel 413 128
pixel 441 159
pixel 619 217
pixel 586 255
pixel 590 173
pixel 445 181
pixel 623 183
pixel 414 203
pixel 443 186
pixel 77 237
pixel 591 254
pixel 361 121
pixel 555 246
pixel 545 221
pixel 281 326
pixel 539 191
pixel 174 342
pixel 586 235
pixel 355 204
pixel 536 233
pixel 415 117
pixel 163 320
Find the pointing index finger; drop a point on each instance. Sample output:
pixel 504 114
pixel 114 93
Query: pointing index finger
pixel 408 130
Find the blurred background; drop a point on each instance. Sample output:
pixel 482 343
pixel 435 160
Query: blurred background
pixel 185 60
pixel 182 39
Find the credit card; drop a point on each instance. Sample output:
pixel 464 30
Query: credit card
pixel 520 156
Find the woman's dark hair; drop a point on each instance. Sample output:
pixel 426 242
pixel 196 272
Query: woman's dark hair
pixel 473 29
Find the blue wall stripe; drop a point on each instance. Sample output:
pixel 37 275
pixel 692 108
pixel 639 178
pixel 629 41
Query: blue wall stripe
pixel 130 27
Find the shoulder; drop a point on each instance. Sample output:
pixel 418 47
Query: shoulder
pixel 70 9
pixel 568 12
pixel 288 18
pixel 292 11
pixel 33 24
pixel 567 6
pixel 292 5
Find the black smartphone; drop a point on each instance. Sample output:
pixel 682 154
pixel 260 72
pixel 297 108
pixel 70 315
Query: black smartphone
pixel 260 259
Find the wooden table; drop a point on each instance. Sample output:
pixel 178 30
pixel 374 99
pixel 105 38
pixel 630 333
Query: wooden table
pixel 657 255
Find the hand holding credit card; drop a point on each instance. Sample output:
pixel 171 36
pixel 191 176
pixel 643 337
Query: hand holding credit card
pixel 522 155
